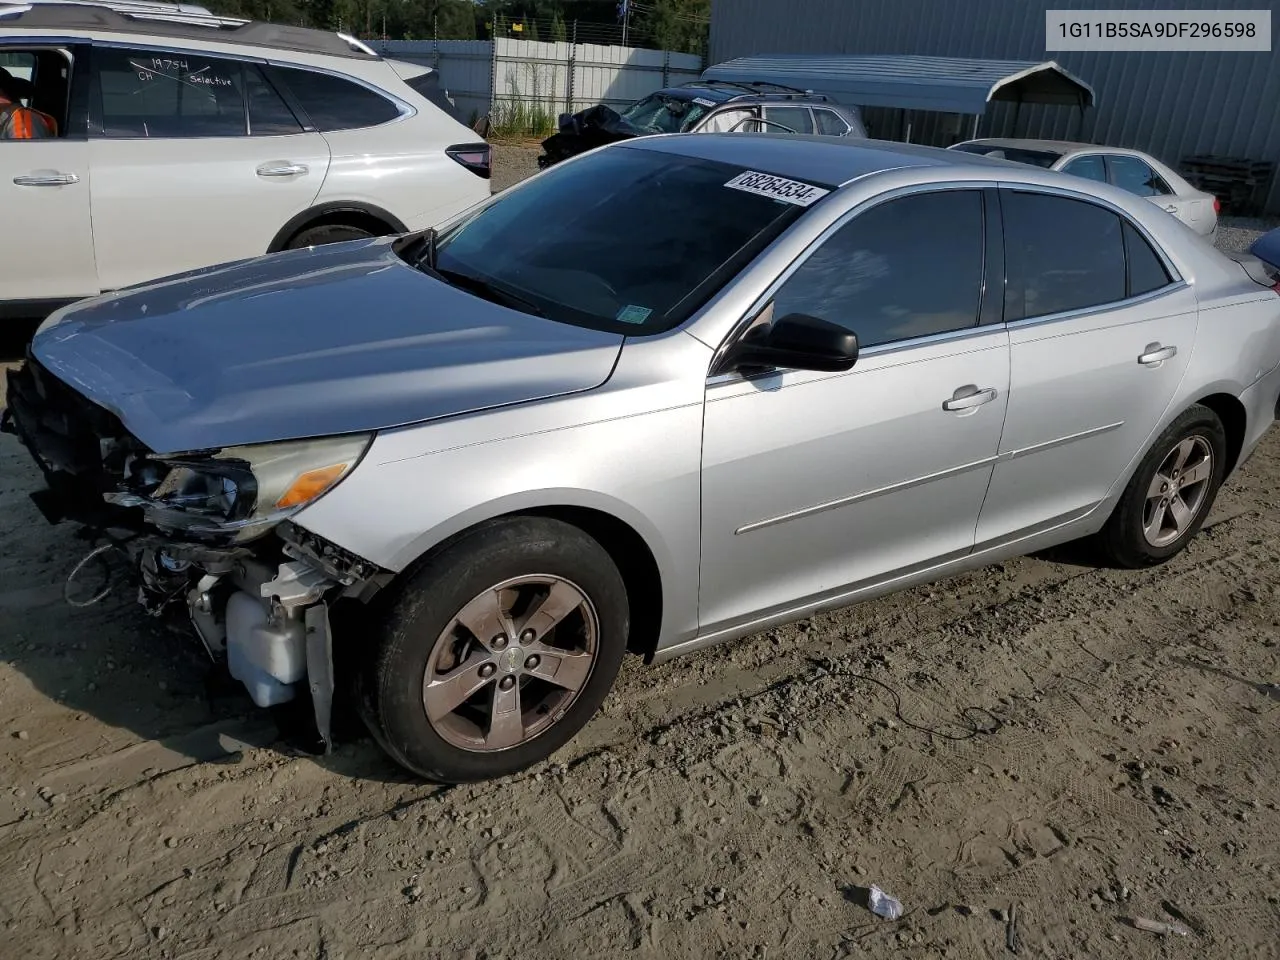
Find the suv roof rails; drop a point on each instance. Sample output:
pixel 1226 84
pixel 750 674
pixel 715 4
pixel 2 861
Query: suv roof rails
pixel 755 86
pixel 178 21
pixel 805 96
pixel 762 89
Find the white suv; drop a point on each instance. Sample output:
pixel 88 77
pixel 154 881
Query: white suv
pixel 186 139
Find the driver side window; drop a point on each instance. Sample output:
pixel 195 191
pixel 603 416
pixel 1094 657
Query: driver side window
pixel 907 268
pixel 41 81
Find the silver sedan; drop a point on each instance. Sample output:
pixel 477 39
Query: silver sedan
pixel 665 394
pixel 1139 173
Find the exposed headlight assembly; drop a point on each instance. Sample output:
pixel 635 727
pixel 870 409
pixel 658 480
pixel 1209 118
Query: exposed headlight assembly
pixel 238 492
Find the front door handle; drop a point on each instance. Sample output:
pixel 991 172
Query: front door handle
pixel 969 397
pixel 1155 355
pixel 46 178
pixel 282 169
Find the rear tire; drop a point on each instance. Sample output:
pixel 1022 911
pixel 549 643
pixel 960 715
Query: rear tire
pixel 327 233
pixel 523 622
pixel 1170 494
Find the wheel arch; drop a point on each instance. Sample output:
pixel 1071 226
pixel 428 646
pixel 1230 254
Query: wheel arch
pixel 357 213
pixel 1235 421
pixel 639 563
pixel 1218 397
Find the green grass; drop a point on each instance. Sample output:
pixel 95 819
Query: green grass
pixel 516 115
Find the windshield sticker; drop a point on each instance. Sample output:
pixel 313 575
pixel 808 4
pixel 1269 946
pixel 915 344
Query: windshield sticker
pixel 705 103
pixel 777 188
pixel 633 314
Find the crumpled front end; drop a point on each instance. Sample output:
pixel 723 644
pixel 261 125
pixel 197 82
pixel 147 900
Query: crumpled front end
pixel 207 535
pixel 585 130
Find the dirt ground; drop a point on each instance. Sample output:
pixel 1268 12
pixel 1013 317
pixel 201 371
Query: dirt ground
pixel 1076 746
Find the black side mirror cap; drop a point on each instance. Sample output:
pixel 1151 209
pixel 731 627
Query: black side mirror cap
pixel 796 342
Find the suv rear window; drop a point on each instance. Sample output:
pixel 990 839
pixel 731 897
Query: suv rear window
pixel 427 85
pixel 793 118
pixel 830 123
pixel 157 94
pixel 333 103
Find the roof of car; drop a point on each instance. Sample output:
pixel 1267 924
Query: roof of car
pixel 140 19
pixel 722 91
pixel 818 159
pixel 1060 147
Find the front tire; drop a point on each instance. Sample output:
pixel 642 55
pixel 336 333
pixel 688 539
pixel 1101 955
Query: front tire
pixel 1171 492
pixel 497 651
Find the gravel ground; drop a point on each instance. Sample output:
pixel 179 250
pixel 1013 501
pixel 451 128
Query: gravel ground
pixel 1085 746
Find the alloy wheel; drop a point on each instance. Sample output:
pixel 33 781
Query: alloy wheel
pixel 1177 491
pixel 510 663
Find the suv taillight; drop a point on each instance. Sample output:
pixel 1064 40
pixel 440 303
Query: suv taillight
pixel 476 157
pixel 1217 206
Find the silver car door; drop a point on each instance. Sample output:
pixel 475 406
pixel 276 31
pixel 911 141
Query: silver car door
pixel 1100 332
pixel 813 482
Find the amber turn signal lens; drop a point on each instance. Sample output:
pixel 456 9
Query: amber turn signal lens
pixel 310 485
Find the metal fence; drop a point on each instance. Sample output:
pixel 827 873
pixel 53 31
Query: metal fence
pixel 483 76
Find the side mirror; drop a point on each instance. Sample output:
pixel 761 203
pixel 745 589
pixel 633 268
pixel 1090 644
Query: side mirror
pixel 796 342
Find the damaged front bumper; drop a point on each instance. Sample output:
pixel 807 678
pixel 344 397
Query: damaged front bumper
pixel 256 588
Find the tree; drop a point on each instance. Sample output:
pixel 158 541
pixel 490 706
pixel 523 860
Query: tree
pixel 558 32
pixel 680 25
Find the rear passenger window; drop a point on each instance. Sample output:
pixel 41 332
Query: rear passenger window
pixel 794 118
pixel 172 95
pixel 830 123
pixel 1146 272
pixel 333 103
pixel 907 268
pixel 1060 255
pixel 1132 174
pixel 269 115
pixel 1090 167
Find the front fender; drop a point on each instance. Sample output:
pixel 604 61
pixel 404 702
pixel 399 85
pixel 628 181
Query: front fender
pixel 642 470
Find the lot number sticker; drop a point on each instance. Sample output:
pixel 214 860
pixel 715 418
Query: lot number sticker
pixel 777 188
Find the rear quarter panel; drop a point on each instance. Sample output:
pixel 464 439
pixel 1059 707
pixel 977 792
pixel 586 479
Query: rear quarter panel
pixel 401 166
pixel 1237 342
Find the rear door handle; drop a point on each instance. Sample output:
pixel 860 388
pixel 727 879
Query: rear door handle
pixel 46 178
pixel 1155 355
pixel 969 397
pixel 282 170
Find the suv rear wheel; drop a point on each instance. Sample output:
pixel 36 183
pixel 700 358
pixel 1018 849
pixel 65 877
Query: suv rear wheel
pixel 326 233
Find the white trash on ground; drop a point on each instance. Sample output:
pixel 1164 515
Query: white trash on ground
pixel 883 905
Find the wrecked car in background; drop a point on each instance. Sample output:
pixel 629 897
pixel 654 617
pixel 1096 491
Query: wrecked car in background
pixel 705 106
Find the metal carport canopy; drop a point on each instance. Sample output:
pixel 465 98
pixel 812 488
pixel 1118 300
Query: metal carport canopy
pixel 945 84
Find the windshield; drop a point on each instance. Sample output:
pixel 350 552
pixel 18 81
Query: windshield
pixel 664 114
pixel 626 240
pixel 1037 158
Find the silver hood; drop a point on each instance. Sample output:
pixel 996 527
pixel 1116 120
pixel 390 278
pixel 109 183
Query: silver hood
pixel 336 339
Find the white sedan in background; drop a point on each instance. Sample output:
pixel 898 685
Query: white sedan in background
pixel 1132 170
